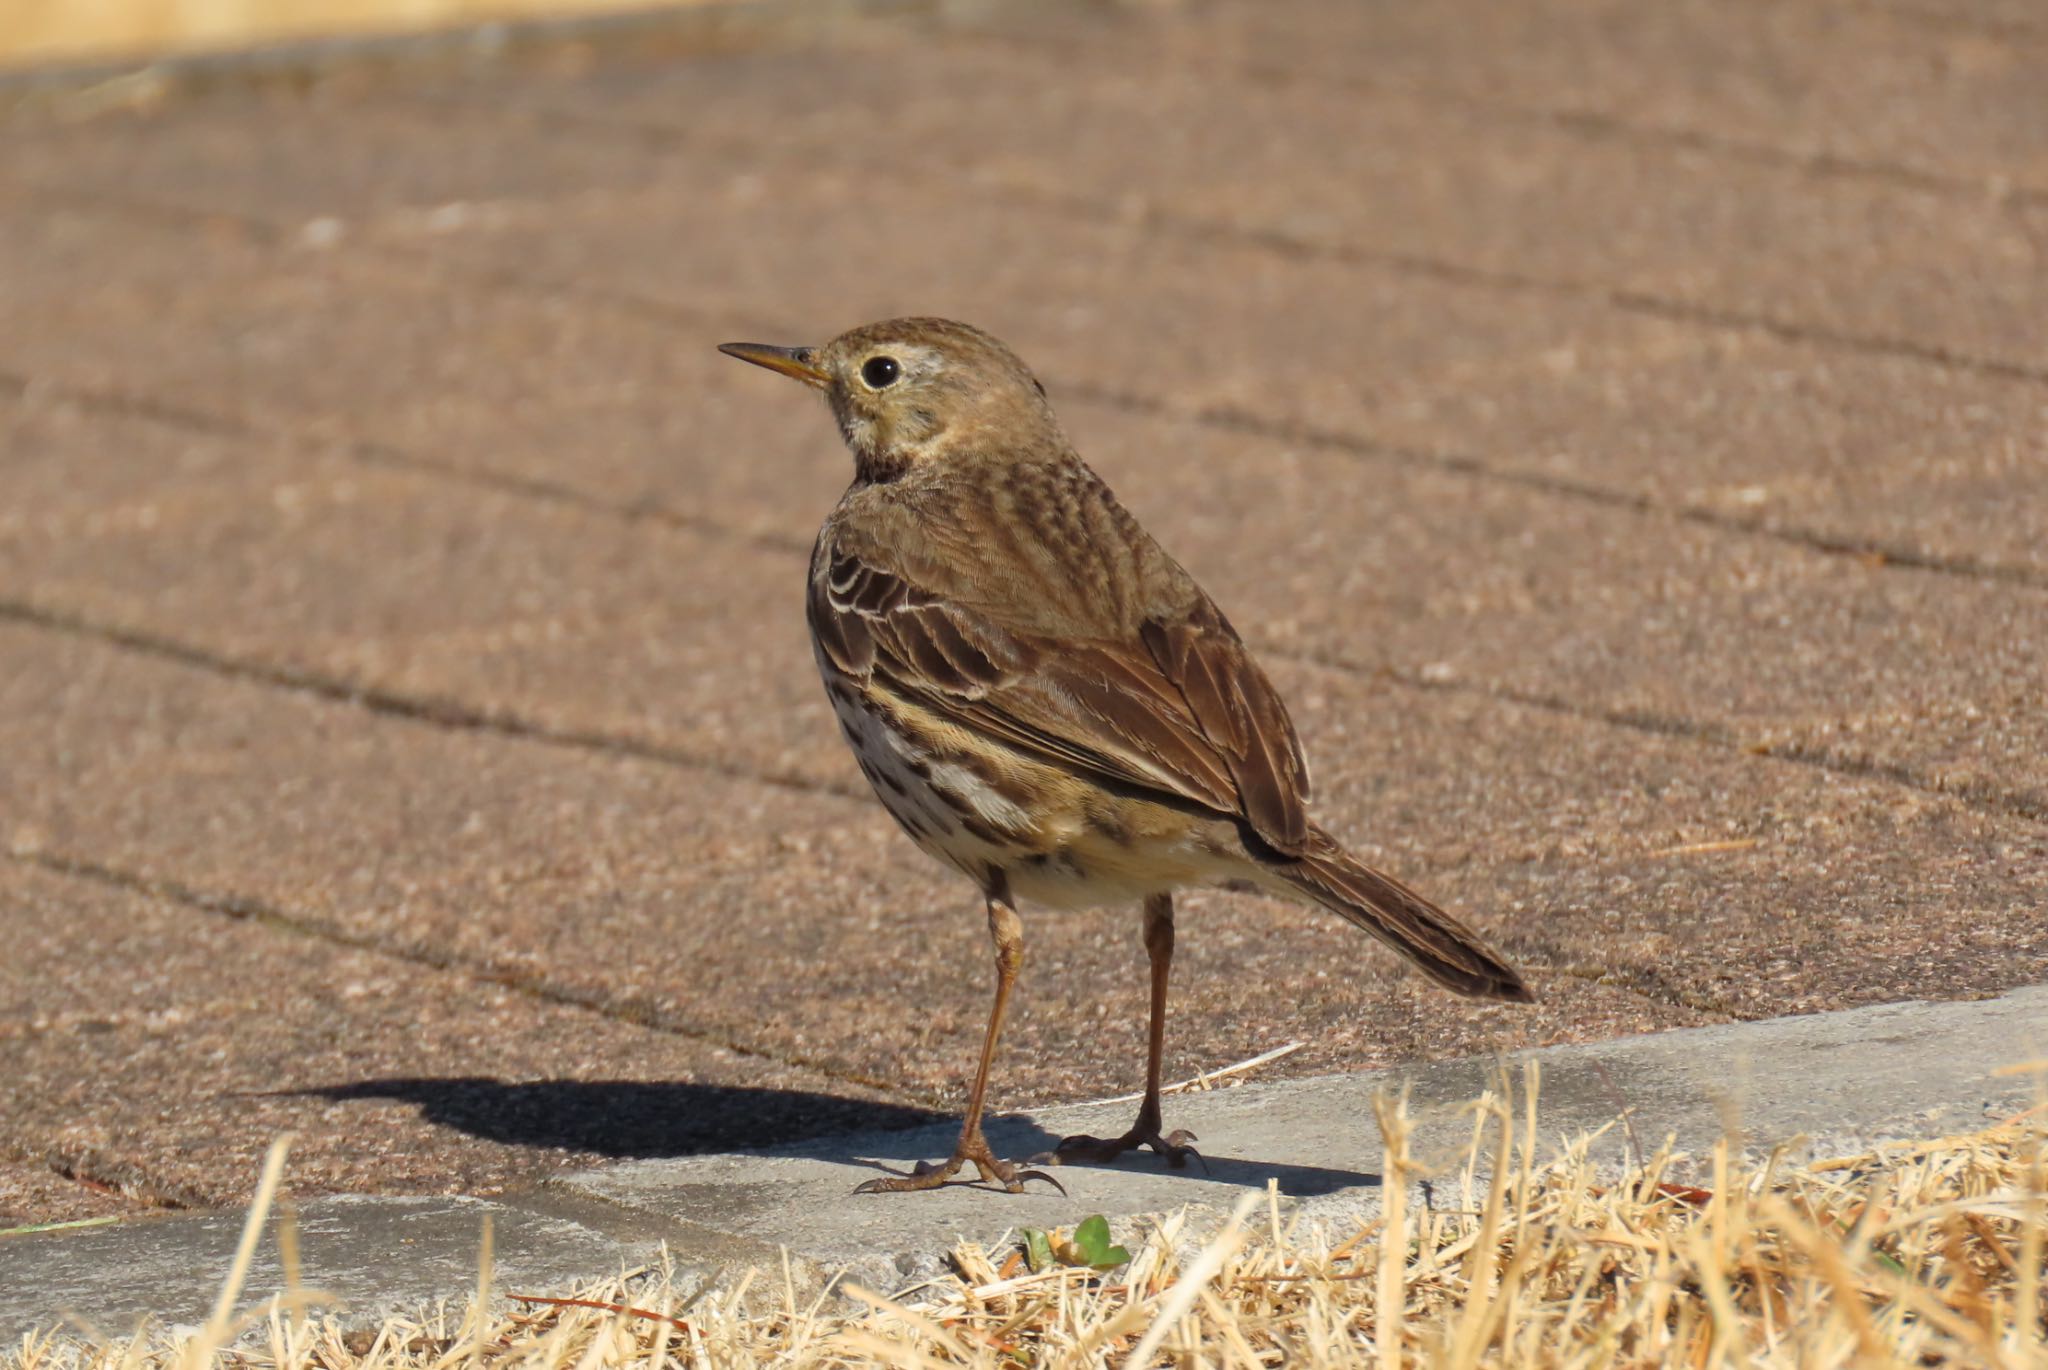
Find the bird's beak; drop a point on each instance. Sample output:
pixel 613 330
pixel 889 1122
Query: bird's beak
pixel 800 362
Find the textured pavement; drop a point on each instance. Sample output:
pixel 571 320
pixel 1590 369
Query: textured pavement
pixel 1623 431
pixel 779 1220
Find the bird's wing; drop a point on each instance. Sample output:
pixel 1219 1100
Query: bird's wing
pixel 1177 707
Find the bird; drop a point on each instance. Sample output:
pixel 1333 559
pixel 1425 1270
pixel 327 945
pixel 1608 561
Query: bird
pixel 1044 700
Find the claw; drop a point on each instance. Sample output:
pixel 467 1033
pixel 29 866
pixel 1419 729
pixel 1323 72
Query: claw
pixel 934 1175
pixel 1174 1147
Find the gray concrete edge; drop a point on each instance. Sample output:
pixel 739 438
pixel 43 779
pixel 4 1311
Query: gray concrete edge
pixel 1828 1083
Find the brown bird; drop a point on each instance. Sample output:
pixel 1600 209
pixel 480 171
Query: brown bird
pixel 1044 700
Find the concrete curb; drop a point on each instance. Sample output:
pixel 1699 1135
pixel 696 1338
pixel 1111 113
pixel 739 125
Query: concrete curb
pixel 1839 1080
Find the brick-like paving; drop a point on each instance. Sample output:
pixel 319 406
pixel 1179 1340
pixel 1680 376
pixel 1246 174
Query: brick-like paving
pixel 1620 428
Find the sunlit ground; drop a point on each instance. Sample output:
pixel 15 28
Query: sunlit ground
pixel 45 31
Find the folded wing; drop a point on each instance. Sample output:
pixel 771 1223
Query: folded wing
pixel 1177 708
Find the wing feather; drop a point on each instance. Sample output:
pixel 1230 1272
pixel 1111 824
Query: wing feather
pixel 1178 707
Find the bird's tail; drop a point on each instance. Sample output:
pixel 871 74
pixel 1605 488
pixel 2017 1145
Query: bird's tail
pixel 1444 949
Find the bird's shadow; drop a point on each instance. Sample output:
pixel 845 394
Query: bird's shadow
pixel 1011 1136
pixel 630 1119
pixel 642 1120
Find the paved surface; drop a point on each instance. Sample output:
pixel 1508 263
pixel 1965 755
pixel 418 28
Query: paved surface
pixel 1824 1084
pixel 1620 428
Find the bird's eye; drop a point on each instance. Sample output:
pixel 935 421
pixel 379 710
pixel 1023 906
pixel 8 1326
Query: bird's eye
pixel 880 371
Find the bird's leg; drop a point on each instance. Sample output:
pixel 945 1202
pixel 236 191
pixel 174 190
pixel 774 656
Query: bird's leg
pixel 1008 931
pixel 1145 1132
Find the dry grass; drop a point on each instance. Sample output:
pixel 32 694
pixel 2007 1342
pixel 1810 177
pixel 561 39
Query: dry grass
pixel 1924 1254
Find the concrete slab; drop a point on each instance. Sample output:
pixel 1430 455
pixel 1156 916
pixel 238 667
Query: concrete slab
pixel 155 1069
pixel 793 924
pixel 1846 90
pixel 33 1194
pixel 376 1257
pixel 1743 640
pixel 1839 1081
pixel 1826 1083
pixel 1844 448
pixel 1526 204
pixel 777 921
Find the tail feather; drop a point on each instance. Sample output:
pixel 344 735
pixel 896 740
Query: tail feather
pixel 1442 947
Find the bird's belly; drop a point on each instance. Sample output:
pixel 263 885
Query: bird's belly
pixel 1057 839
pixel 1098 869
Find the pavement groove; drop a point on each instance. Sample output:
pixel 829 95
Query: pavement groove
pixel 655 309
pixel 712 939
pixel 453 715
pixel 1453 272
pixel 1704 314
pixel 1588 123
pixel 1303 247
pixel 463 716
pixel 454 1083
pixel 35 1183
pixel 1894 554
pixel 459 714
pixel 1478 468
pixel 245 909
pixel 1988 800
pixel 154 409
pixel 1943 17
pixel 1641 982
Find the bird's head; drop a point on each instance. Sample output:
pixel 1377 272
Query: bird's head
pixel 908 392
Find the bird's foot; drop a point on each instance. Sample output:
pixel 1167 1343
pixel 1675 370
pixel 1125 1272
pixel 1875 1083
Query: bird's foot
pixel 1173 1146
pixel 1006 1175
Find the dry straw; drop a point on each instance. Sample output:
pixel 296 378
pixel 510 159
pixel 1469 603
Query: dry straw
pixel 1910 1255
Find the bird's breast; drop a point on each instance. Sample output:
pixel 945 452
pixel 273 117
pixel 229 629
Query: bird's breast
pixel 977 805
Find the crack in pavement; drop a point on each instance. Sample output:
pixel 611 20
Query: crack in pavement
pixel 455 713
pixel 2000 802
pixel 1475 467
pixel 90 1169
pixel 1671 309
pixel 633 1009
pixel 93 1168
pixel 1199 228
pixel 1948 19
pixel 434 710
pixel 1604 125
pixel 1237 420
pixel 128 404
pixel 438 713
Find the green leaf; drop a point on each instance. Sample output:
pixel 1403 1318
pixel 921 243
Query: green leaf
pixel 1890 1263
pixel 1037 1249
pixel 1092 1247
